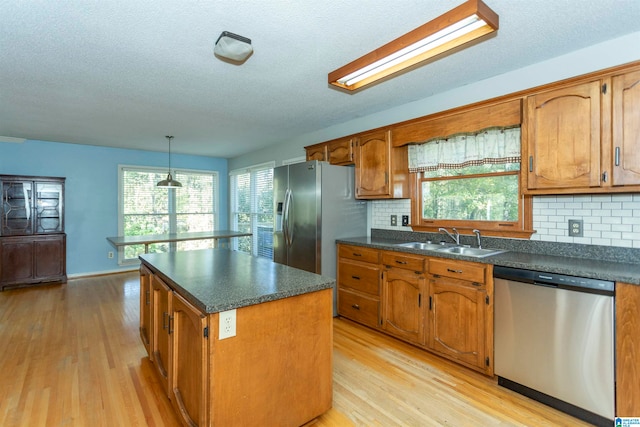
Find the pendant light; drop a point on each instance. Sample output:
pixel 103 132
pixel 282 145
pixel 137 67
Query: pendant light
pixel 169 182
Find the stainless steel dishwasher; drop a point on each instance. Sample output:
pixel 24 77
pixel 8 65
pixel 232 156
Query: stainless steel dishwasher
pixel 554 341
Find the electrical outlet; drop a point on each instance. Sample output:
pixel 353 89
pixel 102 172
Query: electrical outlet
pixel 405 220
pixel 394 220
pixel 575 228
pixel 110 254
pixel 227 321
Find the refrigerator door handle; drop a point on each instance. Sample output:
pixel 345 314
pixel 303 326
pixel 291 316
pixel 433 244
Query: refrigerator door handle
pixel 285 217
pixel 288 233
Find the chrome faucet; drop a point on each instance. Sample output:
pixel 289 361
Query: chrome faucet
pixel 456 237
pixel 478 237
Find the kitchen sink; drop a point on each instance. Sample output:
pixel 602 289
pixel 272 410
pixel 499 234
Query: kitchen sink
pixel 473 252
pixel 451 249
pixel 428 246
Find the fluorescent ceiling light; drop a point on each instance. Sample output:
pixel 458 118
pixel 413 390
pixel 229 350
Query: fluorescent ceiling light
pixel 455 28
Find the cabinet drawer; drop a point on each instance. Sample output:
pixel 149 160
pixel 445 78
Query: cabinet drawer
pixel 357 307
pixel 458 269
pixel 400 260
pixel 361 277
pixel 359 253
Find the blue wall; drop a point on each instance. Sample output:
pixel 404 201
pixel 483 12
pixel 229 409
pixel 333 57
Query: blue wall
pixel 91 191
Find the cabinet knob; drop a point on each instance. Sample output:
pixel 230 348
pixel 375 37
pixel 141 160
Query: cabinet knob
pixel 356 306
pixel 450 270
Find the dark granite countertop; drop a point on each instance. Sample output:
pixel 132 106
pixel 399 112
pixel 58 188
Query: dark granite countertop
pixel 522 255
pixel 215 280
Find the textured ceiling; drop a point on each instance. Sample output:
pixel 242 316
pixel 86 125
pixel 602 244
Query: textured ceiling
pixel 126 73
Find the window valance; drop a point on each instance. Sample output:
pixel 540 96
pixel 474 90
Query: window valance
pixel 495 145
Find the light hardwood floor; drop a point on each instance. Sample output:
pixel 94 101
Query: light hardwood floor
pixel 71 355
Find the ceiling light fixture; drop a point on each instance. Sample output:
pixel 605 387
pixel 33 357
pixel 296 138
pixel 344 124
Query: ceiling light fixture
pixel 232 46
pixel 467 22
pixel 169 182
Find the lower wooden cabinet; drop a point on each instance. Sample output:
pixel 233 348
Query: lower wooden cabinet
pixel 145 307
pixel 627 350
pixel 161 298
pixel 404 292
pixel 458 322
pixel 189 363
pixel 358 275
pixel 235 381
pixel 441 305
pixel 29 260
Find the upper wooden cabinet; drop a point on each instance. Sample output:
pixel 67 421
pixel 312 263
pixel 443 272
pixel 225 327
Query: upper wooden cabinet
pixel 340 151
pixel 317 152
pixel 625 128
pixel 563 137
pixel 337 152
pixel 382 172
pixel 584 137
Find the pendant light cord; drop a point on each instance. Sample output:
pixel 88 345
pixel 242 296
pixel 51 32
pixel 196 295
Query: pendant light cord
pixel 169 138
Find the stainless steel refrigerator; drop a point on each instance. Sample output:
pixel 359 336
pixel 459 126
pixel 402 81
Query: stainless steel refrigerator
pixel 314 204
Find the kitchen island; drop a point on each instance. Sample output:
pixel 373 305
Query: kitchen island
pixel 238 340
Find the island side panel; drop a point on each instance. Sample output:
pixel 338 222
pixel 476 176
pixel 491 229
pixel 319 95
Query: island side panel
pixel 277 370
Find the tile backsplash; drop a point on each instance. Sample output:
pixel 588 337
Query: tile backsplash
pixel 608 220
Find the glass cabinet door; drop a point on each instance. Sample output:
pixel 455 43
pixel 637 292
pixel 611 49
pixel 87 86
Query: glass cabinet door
pixel 17 208
pixel 48 203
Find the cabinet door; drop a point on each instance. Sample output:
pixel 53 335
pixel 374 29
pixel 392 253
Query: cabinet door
pixel 403 291
pixel 563 137
pixel 341 152
pixel 373 165
pixel 626 128
pixel 17 208
pixel 48 203
pixel 317 152
pixel 16 255
pixel 145 308
pixel 161 297
pixel 458 321
pixel 50 257
pixel 189 363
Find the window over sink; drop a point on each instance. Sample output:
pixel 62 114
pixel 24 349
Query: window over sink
pixel 470 181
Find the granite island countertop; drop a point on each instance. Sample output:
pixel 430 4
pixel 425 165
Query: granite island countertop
pixel 591 267
pixel 215 280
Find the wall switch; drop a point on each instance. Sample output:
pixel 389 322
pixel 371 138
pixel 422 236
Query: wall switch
pixel 575 228
pixel 405 220
pixel 394 220
pixel 227 325
pixel 110 254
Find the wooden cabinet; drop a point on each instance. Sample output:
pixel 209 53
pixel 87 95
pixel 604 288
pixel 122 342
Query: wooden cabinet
pixel 189 377
pixel 280 357
pixel 358 276
pixel 461 313
pixel 625 128
pixel 161 299
pixel 337 152
pixel 583 138
pixel 403 290
pixel 563 137
pixel 317 152
pixel 145 307
pixel 32 239
pixel 26 260
pixel 627 350
pixel 340 151
pixel 442 305
pixel 382 172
